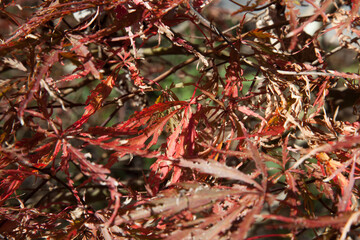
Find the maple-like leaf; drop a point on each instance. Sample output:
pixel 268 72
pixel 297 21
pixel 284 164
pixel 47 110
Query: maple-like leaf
pixel 34 86
pixel 83 52
pixel 95 100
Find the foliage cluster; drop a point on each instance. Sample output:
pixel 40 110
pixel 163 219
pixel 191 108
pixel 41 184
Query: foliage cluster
pixel 148 119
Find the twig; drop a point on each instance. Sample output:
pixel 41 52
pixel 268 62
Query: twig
pixel 328 73
pixel 208 24
pixel 172 70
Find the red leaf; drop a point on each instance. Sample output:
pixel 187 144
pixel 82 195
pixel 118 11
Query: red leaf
pixel 159 171
pixel 249 112
pixel 156 108
pixel 175 143
pixel 11 183
pixel 43 72
pixel 152 130
pixel 83 52
pixel 95 100
pixel 318 222
pixel 290 180
pixel 73 76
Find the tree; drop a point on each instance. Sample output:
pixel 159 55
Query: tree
pixel 179 119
